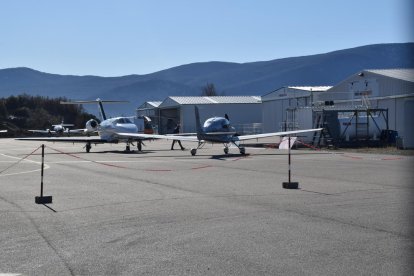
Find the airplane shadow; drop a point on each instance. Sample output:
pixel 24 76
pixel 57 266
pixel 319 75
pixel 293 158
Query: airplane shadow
pixel 132 152
pixel 224 157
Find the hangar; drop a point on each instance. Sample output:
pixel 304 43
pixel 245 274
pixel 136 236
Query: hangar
pixel 381 99
pixel 382 89
pixel 278 106
pixel 245 112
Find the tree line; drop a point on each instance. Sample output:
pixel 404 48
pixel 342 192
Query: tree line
pixel 23 112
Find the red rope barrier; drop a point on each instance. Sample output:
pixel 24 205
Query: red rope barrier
pixel 92 161
pixel 14 164
pixel 307 145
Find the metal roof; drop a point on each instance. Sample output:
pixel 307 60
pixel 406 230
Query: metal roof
pixel 217 100
pixel 311 88
pixel 149 105
pixel 293 91
pixel 401 74
pixel 155 104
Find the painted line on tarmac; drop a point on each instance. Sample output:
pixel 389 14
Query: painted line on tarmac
pixel 26 160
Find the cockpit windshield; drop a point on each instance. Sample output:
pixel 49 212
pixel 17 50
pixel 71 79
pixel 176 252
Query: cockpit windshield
pixel 123 121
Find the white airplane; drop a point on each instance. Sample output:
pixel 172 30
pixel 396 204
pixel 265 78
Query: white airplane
pixel 3 130
pixel 58 130
pixel 217 130
pixel 107 130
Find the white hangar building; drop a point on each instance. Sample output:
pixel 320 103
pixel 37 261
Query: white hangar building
pixel 391 89
pixel 278 106
pixel 245 112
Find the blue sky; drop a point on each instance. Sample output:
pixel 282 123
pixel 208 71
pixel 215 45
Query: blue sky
pixel 114 38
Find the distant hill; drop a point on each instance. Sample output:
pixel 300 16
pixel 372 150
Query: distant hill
pixel 253 78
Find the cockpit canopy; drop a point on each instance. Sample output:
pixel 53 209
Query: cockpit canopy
pixel 216 124
pixel 122 120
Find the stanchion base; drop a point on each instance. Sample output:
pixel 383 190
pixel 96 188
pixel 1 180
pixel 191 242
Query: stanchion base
pixel 43 199
pixel 290 185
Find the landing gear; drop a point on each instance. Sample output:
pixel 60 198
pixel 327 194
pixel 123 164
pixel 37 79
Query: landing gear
pixel 139 146
pixel 237 144
pixel 194 151
pixel 127 148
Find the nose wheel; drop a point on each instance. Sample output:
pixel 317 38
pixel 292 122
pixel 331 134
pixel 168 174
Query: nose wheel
pixel 194 151
pixel 226 150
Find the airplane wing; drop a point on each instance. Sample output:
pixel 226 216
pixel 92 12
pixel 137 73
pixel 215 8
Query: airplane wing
pixel 65 125
pixel 42 131
pixel 158 136
pixel 65 139
pixel 282 133
pixel 80 130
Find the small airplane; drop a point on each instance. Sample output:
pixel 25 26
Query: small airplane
pixel 58 130
pixel 107 130
pixel 3 130
pixel 217 130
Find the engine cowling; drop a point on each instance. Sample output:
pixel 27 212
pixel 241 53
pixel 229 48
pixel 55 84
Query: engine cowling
pixel 92 125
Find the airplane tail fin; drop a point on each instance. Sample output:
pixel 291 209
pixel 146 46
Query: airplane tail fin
pixel 198 123
pixel 101 109
pixel 99 102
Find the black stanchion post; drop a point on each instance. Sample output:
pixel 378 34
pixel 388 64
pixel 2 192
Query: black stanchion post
pixel 290 184
pixel 42 199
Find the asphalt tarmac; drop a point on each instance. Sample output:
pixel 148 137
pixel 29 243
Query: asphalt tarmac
pixel 163 212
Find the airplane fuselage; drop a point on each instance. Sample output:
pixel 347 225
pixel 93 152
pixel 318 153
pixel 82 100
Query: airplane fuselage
pixel 108 128
pixel 220 129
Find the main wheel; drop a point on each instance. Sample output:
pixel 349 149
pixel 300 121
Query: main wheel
pixel 88 148
pixel 226 150
pixel 243 151
pixel 139 146
pixel 193 152
pixel 127 148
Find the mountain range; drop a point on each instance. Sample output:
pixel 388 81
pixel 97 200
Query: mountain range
pixel 252 78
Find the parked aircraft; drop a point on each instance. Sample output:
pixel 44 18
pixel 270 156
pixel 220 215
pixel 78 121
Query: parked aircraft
pixel 3 130
pixel 107 130
pixel 58 130
pixel 217 130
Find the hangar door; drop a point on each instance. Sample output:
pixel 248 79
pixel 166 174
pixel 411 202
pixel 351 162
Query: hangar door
pixel 169 118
